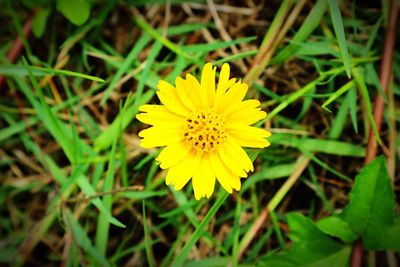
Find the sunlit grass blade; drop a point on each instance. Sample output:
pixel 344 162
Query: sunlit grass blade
pixel 349 85
pixel 15 70
pixel 320 145
pixel 339 31
pixel 340 119
pixel 353 108
pixel 367 101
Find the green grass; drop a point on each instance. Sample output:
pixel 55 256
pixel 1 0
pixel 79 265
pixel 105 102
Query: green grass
pixel 77 188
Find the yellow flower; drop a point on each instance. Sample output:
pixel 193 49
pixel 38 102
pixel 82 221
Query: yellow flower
pixel 203 128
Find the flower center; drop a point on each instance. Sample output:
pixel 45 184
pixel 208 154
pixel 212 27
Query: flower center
pixel 204 130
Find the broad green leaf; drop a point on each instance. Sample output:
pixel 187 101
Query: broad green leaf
pixel 76 11
pixel 392 238
pixel 311 247
pixel 370 210
pixel 337 227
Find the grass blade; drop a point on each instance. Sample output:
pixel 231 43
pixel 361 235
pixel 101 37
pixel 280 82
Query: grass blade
pixel 339 31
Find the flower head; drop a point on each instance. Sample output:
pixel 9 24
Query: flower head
pixel 203 127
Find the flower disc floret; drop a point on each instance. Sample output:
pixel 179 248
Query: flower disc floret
pixel 204 130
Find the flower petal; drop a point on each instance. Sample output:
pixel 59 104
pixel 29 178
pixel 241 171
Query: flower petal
pixel 173 154
pixel 231 161
pixel 208 83
pixel 225 177
pixel 183 94
pixel 169 97
pixel 160 136
pixel 223 79
pixel 248 136
pixel 233 149
pixel 234 95
pixel 242 105
pixel 245 112
pixel 203 179
pixel 179 174
pixel 197 91
pixel 158 115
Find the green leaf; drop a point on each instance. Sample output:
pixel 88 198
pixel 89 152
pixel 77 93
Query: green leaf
pixel 392 238
pixel 76 11
pixel 311 247
pixel 370 210
pixel 39 22
pixel 337 227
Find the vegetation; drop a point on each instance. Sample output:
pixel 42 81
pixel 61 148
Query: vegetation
pixel 78 189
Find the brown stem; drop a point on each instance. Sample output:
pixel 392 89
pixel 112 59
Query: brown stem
pixel 384 77
pixel 379 105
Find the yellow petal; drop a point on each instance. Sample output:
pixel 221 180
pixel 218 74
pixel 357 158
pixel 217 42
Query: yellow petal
pixel 173 154
pixel 169 97
pixel 234 95
pixel 208 83
pixel 158 115
pixel 160 136
pixel 203 179
pixel 242 105
pixel 233 149
pixel 225 177
pixel 231 162
pixel 183 94
pixel 179 174
pixel 248 136
pixel 223 79
pixel 197 90
pixel 246 117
